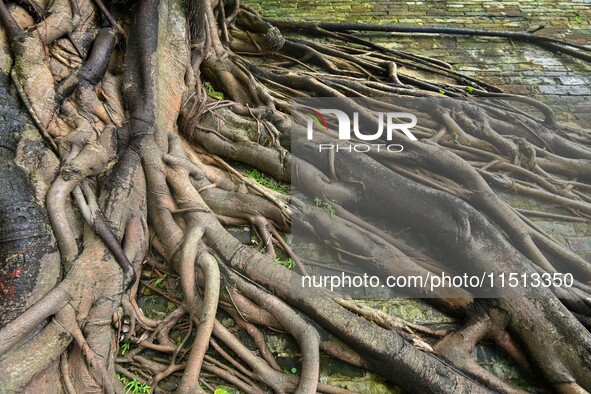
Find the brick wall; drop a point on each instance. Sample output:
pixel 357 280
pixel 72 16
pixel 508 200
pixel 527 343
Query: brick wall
pixel 559 80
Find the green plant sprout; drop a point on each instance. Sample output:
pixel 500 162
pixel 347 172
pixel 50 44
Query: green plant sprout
pixel 211 92
pixel 159 283
pixel 124 348
pixel 327 206
pixel 288 263
pixel 136 387
pixel 133 386
pixel 269 183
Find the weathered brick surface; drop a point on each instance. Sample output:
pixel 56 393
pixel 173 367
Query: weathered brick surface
pixel 561 17
pixel 517 67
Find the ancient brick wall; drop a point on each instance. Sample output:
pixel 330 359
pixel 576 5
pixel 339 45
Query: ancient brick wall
pixel 559 80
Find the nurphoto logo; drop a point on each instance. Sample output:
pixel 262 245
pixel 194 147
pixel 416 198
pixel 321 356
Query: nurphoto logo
pixel 350 130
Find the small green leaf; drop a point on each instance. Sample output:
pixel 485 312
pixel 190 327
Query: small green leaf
pixel 269 183
pixel 441 91
pixel 217 95
pixel 286 263
pixel 211 92
pixel 160 281
pixel 221 390
pixel 328 208
pixel 291 371
pixel 136 387
pixel 469 89
pixel 124 348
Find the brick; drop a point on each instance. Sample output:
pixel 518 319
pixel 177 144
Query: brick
pixel 579 244
pixel 566 90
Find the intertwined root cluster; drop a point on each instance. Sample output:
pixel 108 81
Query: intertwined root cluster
pixel 143 110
